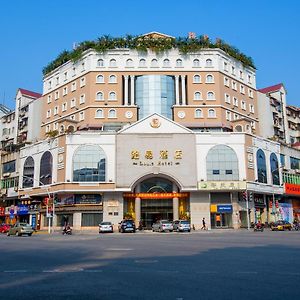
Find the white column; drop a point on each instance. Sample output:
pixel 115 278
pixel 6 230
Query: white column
pixel 137 208
pixel 132 89
pixel 177 90
pixel 175 208
pixel 126 90
pixel 183 92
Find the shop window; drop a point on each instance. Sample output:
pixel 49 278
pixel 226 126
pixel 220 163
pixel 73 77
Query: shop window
pixel 46 168
pixel 274 169
pixel 28 172
pixel 261 166
pixel 91 219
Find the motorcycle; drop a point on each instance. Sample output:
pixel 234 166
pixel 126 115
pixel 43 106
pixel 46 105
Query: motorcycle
pixel 258 227
pixel 67 231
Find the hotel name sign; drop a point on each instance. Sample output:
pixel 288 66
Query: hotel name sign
pixel 222 185
pixel 149 158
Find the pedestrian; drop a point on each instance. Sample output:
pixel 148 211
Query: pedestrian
pixel 203 224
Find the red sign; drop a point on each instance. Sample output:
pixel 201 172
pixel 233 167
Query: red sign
pixel 292 189
pixel 155 195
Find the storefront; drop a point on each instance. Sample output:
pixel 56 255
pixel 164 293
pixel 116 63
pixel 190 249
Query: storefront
pixel 293 191
pixel 260 214
pixel 221 215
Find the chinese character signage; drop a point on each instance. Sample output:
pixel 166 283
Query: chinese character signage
pixel 292 189
pixel 222 185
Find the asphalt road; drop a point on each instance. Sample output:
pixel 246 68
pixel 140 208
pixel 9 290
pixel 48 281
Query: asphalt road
pixel 201 265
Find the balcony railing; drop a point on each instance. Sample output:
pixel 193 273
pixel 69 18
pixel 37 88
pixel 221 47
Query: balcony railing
pixel 290 178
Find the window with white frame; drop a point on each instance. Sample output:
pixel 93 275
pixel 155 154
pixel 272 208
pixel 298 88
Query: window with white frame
pixel 228 115
pixel 243 105
pixel 100 63
pixel 227 98
pixel 236 117
pixel 55 110
pixel 197 96
pixel 82 67
pixel 249 79
pixel 64 106
pixel 81 116
pixel 74 72
pixel 73 86
pixel 82 82
pixel 99 96
pixel 49 98
pixel 225 66
pixel 65 76
pixel 226 81
pixel 208 63
pixel 142 63
pixel 73 117
pixel 48 113
pixel 112 96
pixel 178 63
pixel 82 99
pixel 129 63
pixel 65 91
pixel 154 63
pixel 73 103
pixel 211 113
pixel 100 79
pixel 198 113
pixel 241 75
pixel 49 84
pixel 112 79
pixel 112 63
pixel 252 124
pixel 233 70
pixel 250 93
pixel 234 85
pixel 57 80
pixel 56 95
pixel 47 128
pixel 112 113
pixel 196 63
pixel 55 126
pixel 166 63
pixel 209 78
pixel 197 79
pixel 62 129
pixel 210 96
pixel 251 108
pixel 242 89
pixel 235 102
pixel 99 113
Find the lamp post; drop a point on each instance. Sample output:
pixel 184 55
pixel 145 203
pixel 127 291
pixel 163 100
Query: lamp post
pixel 47 204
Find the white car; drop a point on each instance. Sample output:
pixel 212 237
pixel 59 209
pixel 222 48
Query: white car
pixel 106 227
pixel 162 226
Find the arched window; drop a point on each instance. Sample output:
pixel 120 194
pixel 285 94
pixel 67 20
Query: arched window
pixel 274 169
pixel 154 63
pixel 99 96
pixel 198 113
pixel 178 63
pixel 112 79
pixel 222 164
pixel 112 96
pixel 112 113
pixel 209 78
pixel 196 79
pixel 197 96
pixel 210 96
pixel 129 63
pixel 89 164
pixel 46 168
pixel 208 63
pixel 166 63
pixel 113 63
pixel 142 62
pixel 238 128
pixel 99 113
pixel 100 63
pixel 28 172
pixel 211 113
pixel 196 63
pixel 261 166
pixel 100 79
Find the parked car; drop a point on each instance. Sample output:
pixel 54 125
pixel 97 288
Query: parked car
pixel 182 225
pixel 281 225
pixel 162 226
pixel 106 227
pixel 19 229
pixel 127 226
pixel 4 228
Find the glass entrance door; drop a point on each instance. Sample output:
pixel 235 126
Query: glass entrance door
pixel 221 220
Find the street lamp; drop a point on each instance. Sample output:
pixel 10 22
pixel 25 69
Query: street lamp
pixel 47 205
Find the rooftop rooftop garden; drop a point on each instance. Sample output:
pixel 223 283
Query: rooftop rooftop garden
pixel 143 43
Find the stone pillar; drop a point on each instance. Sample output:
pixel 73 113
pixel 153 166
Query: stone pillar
pixel 183 92
pixel 177 90
pixel 126 90
pixel 175 208
pixel 137 208
pixel 132 89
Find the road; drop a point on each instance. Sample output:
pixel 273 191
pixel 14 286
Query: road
pixel 200 265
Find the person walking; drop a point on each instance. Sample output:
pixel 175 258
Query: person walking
pixel 203 224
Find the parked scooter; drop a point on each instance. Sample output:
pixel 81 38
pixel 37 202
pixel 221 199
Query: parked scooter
pixel 259 227
pixel 67 230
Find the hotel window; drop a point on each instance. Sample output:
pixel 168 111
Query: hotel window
pixel 81 116
pixel 249 79
pixel 242 89
pixel 129 63
pixel 253 124
pixel 49 85
pixel 100 79
pixel 178 63
pixel 226 81
pixel 154 63
pixel 99 96
pixel 250 93
pixel 233 70
pixel 99 113
pixel 100 63
pixel 196 79
pixel 62 129
pixel 211 113
pixel 225 66
pixel 209 63
pixel 112 79
pixel 228 115
pixel 251 108
pixel 74 71
pixel 82 67
pixel 236 117
pixel 56 95
pixel 112 96
pixel 235 102
pixel 47 128
pixel 48 113
pixel 209 78
pixel 241 75
pixel 198 113
pixel 82 99
pixel 73 86
pixel 197 96
pixel 55 126
pixel 64 106
pixel 49 98
pixel 142 63
pixel 55 110
pixel 112 113
pixel 196 63
pixel 234 85
pixel 166 63
pixel 65 76
pixel 210 96
pixel 72 117
pixel 57 80
pixel 65 91
pixel 243 105
pixel 82 82
pixel 112 63
pixel 227 98
pixel 73 103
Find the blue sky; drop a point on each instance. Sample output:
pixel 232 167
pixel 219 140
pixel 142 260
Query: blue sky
pixel 34 32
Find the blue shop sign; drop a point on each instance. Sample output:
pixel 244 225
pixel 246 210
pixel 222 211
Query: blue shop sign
pixel 22 210
pixel 226 208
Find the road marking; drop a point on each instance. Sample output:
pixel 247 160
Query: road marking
pixel 119 249
pixel 63 270
pixel 15 271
